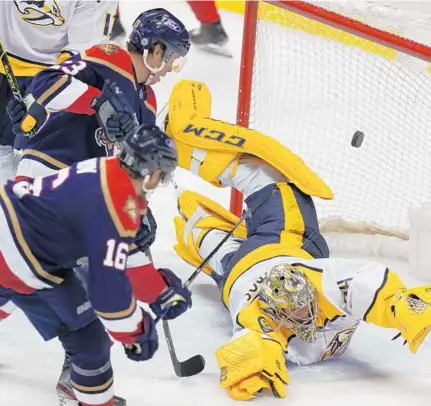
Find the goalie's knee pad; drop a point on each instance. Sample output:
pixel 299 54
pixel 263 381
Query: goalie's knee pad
pixel 209 147
pixel 199 216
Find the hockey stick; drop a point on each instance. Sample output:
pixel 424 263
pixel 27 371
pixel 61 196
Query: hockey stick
pixel 196 364
pixel 11 78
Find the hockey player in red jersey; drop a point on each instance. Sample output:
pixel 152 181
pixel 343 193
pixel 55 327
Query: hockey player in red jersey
pixel 85 111
pixel 72 107
pixel 91 209
pixel 78 131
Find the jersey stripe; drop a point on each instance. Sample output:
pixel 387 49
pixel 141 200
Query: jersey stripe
pixel 44 158
pixel 22 247
pixel 75 98
pixel 11 281
pixel 53 89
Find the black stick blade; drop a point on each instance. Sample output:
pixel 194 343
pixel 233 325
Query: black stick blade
pixel 189 367
pixel 192 366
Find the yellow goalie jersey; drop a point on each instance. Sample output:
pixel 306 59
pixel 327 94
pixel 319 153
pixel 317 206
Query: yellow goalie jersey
pixel 35 33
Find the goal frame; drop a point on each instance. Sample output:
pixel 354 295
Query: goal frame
pixel 319 14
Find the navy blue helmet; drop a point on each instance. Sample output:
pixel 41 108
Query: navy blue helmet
pixel 148 149
pixel 159 25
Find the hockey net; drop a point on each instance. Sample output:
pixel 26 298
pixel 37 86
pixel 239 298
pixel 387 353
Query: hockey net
pixel 313 75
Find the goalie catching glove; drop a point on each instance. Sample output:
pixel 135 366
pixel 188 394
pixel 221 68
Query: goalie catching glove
pixel 251 363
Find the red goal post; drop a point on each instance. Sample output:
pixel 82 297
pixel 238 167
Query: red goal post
pixel 368 50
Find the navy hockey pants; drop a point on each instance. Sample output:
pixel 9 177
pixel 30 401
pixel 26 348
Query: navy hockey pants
pixel 65 312
pixel 282 214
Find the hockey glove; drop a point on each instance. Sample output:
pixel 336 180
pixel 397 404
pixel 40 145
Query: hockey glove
pixel 114 113
pixel 146 343
pixel 147 232
pixel 251 363
pixel 26 117
pixel 173 301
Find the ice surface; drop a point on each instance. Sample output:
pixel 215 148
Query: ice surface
pixel 373 371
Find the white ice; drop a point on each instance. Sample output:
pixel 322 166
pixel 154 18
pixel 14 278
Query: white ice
pixel 373 371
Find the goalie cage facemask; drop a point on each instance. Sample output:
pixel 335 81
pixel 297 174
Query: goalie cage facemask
pixel 291 299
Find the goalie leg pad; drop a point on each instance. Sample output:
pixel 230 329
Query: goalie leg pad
pixel 207 147
pixel 199 216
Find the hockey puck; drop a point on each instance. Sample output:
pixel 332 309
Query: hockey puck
pixel 357 139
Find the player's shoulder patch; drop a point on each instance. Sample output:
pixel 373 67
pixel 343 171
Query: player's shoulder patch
pixel 120 197
pixel 113 57
pixel 108 49
pixel 151 101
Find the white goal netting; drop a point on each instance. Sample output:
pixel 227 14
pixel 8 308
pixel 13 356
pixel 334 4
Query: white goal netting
pixel 315 86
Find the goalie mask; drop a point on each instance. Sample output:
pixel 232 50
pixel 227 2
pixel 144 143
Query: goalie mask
pixel 291 299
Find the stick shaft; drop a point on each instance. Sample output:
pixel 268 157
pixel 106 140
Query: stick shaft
pixel 10 76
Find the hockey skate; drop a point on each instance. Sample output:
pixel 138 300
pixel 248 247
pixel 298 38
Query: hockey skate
pixel 65 394
pixel 211 38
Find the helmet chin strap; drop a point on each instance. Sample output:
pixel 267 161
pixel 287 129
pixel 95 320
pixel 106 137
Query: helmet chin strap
pixel 153 71
pixel 148 192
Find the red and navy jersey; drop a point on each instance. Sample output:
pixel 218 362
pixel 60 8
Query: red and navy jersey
pixel 87 211
pixel 72 132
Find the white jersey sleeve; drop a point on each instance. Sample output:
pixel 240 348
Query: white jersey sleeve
pixel 350 285
pixel 34 33
pixel 91 21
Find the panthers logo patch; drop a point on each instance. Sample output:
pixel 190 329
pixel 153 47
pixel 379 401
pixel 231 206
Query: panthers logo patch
pixel 131 209
pixel 108 49
pixel 111 148
pixel 43 13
